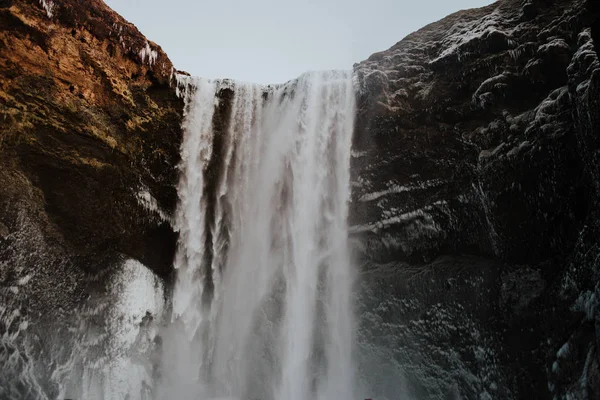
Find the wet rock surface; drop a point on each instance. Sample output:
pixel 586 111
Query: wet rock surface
pixel 476 152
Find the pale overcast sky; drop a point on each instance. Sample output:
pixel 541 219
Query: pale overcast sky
pixel 272 41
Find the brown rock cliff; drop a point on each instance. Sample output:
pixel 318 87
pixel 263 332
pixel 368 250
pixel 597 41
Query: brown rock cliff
pixel 89 144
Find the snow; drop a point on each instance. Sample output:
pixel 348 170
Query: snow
pixel 132 324
pixel 515 150
pixel 183 84
pixel 421 213
pixel 521 51
pixel 563 351
pixel 496 84
pixel 556 44
pixel 48 5
pixel 148 53
pixel 149 203
pixel 584 62
pixel 396 189
pixel 358 154
pixel 137 291
pixel 485 396
pixel 583 379
pixel 24 280
pixel 545 115
pixel 587 303
pixel 462 33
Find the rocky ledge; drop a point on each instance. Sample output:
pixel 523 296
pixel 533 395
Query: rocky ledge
pixel 475 192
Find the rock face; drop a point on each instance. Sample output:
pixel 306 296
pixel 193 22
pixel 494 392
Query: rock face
pixel 89 143
pixel 476 179
pixel 90 121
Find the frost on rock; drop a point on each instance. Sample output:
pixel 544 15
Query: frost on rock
pixel 118 338
pixel 563 351
pixel 48 5
pixel 546 117
pixel 184 84
pixel 394 188
pixel 464 37
pixel 406 231
pixel 493 87
pixel 584 63
pixel 149 54
pixel 117 30
pixel 149 203
pixel 587 303
pixel 421 216
pixel 555 45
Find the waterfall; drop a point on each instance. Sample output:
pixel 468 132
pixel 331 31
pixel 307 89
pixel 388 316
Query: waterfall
pixel 261 307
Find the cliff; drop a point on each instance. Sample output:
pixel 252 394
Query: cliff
pixel 475 183
pixel 475 197
pixel 89 143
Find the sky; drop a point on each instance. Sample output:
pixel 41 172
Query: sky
pixel 273 41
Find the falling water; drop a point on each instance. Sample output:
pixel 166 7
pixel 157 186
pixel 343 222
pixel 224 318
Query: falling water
pixel 261 305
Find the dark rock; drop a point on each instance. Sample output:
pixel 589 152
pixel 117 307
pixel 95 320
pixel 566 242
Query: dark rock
pixel 477 137
pixel 520 288
pixel 3 231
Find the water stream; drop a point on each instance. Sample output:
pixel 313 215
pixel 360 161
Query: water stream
pixel 262 306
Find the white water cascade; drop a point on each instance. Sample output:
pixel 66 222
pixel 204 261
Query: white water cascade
pixel 262 303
